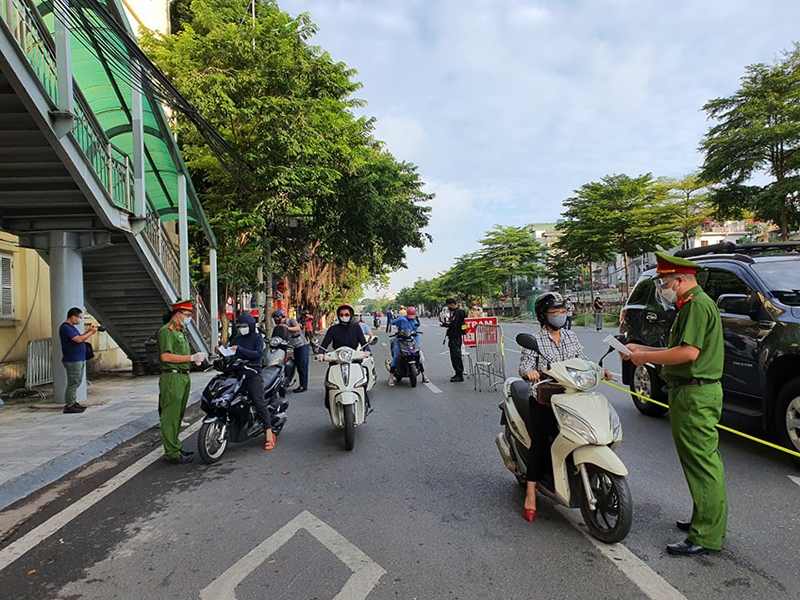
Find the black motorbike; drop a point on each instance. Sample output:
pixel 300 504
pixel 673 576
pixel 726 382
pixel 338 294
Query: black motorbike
pixel 376 321
pixel 232 416
pixel 408 359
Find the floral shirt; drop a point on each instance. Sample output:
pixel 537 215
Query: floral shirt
pixel 549 352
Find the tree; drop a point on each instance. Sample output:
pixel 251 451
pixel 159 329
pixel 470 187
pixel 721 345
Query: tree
pixel 688 204
pixel 562 268
pixel 620 214
pixel 757 135
pixel 510 252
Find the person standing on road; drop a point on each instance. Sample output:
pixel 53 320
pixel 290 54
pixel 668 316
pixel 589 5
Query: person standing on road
pixel 174 384
pixel 300 347
pixel 389 317
pixel 692 369
pixel 475 311
pixel 598 313
pixel 73 357
pixel 456 328
pixel 308 321
pixel 570 312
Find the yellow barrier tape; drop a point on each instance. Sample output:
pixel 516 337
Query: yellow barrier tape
pixel 721 427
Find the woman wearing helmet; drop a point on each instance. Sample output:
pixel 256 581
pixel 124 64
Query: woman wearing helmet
pixel 346 332
pixel 555 344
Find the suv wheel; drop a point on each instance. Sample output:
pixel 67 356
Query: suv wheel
pixel 787 417
pixel 645 381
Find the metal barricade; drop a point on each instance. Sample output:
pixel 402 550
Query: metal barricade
pixel 489 355
pixel 39 369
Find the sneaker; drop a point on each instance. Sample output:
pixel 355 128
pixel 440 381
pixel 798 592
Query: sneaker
pixel 74 408
pixel 425 379
pixel 456 378
pixel 185 424
pixel 391 382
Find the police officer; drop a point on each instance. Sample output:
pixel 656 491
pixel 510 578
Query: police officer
pixel 693 363
pixel 455 329
pixel 173 387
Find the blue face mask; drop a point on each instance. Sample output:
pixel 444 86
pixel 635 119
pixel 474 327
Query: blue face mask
pixel 187 320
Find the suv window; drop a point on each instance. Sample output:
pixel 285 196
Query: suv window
pixel 782 280
pixel 716 282
pixel 643 292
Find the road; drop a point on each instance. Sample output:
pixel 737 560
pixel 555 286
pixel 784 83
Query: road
pixel 421 508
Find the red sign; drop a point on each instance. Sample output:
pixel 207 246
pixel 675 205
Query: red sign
pixel 469 337
pixel 502 298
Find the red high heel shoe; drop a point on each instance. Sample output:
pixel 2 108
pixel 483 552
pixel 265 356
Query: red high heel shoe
pixel 530 514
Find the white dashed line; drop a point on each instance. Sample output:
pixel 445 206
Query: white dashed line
pixel 795 479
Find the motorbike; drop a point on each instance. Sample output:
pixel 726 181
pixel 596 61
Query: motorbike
pixel 231 416
pixel 586 471
pixel 376 322
pixel 408 359
pixel 349 378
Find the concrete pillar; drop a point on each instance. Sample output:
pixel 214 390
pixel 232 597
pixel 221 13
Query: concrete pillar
pixel 137 125
pixel 66 291
pixel 214 304
pixel 183 237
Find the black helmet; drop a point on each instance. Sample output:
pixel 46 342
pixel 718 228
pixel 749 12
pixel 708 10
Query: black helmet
pixel 544 303
pixel 280 313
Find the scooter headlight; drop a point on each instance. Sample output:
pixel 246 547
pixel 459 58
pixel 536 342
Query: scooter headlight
pixel 615 424
pixel 577 424
pixel 345 355
pixel 585 379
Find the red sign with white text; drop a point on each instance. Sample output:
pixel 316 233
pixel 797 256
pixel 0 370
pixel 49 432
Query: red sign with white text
pixel 469 337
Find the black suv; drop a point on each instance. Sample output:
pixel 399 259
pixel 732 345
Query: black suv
pixel 757 291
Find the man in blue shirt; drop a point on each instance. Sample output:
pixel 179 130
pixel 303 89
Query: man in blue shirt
pixel 73 357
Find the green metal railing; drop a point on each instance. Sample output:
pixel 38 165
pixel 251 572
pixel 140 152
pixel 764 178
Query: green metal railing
pixel 110 164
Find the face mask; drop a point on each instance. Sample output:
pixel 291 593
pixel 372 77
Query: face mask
pixel 666 295
pixel 187 320
pixel 345 319
pixel 557 321
pixel 244 330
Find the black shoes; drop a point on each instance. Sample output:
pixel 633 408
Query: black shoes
pixel 299 389
pixel 455 378
pixel 683 525
pixel 687 548
pixel 181 459
pixel 74 408
pixel 186 452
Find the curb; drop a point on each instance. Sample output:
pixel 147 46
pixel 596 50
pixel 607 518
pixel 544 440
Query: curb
pixel 39 477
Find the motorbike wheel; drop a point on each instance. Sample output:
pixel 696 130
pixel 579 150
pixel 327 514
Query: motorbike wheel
pixel 645 381
pixel 349 427
pixel 412 375
pixel 611 521
pixel 210 443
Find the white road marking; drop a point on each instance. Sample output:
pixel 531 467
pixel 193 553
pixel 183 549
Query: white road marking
pixel 634 568
pixel 512 350
pixel 36 536
pixel 795 479
pixel 366 572
pixel 433 388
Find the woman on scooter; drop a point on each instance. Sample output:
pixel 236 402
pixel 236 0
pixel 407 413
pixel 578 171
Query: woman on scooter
pixel 555 344
pixel 408 321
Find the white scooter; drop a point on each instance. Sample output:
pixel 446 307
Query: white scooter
pixel 350 375
pixel 587 473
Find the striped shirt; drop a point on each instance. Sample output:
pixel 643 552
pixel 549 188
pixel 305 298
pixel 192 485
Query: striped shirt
pixel 549 352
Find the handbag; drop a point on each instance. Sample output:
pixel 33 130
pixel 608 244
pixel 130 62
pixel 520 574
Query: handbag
pixel 545 391
pixel 89 351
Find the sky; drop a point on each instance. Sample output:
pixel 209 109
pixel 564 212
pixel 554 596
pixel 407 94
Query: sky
pixel 508 106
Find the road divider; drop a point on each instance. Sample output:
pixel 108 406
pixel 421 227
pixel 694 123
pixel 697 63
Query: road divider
pixel 720 427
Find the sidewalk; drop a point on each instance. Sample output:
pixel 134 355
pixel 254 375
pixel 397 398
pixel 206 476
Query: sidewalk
pixel 40 444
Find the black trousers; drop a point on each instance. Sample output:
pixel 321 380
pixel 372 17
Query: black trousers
pixel 454 343
pixel 542 428
pixel 255 389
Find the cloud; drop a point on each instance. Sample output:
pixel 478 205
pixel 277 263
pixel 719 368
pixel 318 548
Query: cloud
pixel 507 106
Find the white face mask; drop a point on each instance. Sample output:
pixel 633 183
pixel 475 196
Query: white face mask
pixel 187 320
pixel 244 330
pixel 666 295
pixel 345 319
pixel 557 321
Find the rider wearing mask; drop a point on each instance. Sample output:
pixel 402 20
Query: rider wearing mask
pixel 248 345
pixel 555 344
pixel 408 321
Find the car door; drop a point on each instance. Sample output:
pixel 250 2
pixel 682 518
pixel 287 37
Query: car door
pixel 742 334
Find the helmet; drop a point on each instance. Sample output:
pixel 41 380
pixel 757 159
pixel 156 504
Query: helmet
pixel 545 302
pixel 349 307
pixel 278 313
pixel 411 312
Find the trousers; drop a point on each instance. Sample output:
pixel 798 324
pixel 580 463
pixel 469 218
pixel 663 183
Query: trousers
pixel 74 378
pixel 173 394
pixel 454 343
pixel 694 412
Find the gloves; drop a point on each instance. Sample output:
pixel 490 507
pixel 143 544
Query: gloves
pixel 198 357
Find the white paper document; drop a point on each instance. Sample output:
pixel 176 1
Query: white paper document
pixel 226 351
pixel 616 344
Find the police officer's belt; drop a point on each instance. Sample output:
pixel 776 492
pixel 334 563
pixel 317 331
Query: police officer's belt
pixel 175 371
pixel 684 382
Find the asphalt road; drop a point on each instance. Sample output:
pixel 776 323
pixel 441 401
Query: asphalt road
pixel 421 508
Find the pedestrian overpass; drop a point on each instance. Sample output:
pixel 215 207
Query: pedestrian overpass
pixel 90 174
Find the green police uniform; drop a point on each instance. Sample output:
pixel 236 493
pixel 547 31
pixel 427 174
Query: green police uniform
pixel 173 386
pixel 695 401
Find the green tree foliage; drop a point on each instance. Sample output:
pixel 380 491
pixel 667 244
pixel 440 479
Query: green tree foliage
pixel 318 198
pixel 620 214
pixel 688 204
pixel 758 134
pixel 562 268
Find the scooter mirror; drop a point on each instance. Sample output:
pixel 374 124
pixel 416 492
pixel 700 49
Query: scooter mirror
pixel 527 341
pixel 373 341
